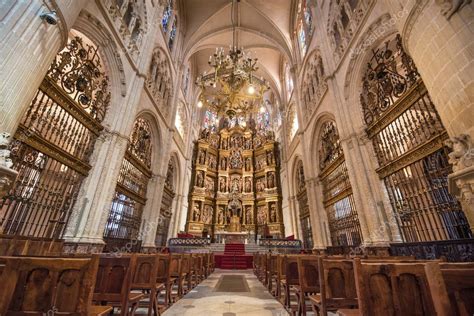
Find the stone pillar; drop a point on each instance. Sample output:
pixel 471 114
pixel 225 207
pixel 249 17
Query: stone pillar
pixel 85 229
pixel 151 212
pixel 438 36
pixel 461 181
pixel 318 216
pixel 293 216
pixel 29 45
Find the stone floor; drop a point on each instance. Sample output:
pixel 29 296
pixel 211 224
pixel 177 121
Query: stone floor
pixel 206 300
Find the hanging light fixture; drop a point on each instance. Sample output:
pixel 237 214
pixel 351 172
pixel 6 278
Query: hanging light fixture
pixel 232 88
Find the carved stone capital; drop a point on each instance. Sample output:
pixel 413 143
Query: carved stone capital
pixel 7 175
pixel 450 7
pixel 462 155
pixel 461 185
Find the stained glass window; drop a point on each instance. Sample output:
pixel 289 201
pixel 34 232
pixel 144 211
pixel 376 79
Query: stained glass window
pixel 165 20
pixel 304 25
pixel 263 121
pixel 289 81
pixel 173 34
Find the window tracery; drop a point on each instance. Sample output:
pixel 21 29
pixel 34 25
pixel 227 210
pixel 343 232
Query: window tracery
pixel 167 15
pixel 304 27
pixel 172 36
pixel 314 82
pixel 159 81
pixel 345 17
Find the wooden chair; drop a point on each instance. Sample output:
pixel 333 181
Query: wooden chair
pixel 272 273
pixel 337 286
pixel 459 281
pixel 280 276
pixel 308 274
pixel 404 289
pixel 113 285
pixel 290 264
pixel 164 276
pixel 39 286
pixel 145 279
pixel 177 276
pixel 186 275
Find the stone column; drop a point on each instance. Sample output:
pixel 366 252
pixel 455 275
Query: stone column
pixel 318 215
pixel 29 45
pixel 293 216
pixel 151 212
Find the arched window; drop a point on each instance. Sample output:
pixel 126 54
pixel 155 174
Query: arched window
pixel 54 141
pixel 304 27
pixel 159 80
pixel 338 200
pixel 408 138
pixel 314 82
pixel 172 37
pixel 288 81
pixel 292 122
pixel 123 224
pixel 167 14
pixel 302 197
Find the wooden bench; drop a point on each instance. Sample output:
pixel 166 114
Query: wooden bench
pixel 49 285
pixel 459 282
pixel 290 265
pixel 308 275
pixel 337 286
pixel 113 284
pixel 164 276
pixel 391 288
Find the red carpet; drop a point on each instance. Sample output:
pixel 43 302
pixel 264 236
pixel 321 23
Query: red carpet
pixel 234 257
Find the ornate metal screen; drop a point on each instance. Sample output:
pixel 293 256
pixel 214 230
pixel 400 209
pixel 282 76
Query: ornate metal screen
pixel 407 135
pixel 166 205
pixel 53 143
pixel 123 224
pixel 344 224
pixel 302 197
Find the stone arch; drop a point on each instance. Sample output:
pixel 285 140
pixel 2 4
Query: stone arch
pixel 315 136
pixel 157 142
pixel 99 34
pixel 356 68
pixel 159 79
pixel 313 81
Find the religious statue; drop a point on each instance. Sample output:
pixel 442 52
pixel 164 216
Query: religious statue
pixel 248 185
pixel 236 185
pixel 248 214
pixel 248 143
pixel 224 143
pixel 248 163
pixel 262 215
pixel 236 159
pixel 204 133
pixel 211 162
pixel 273 213
pixel 200 179
pixel 209 184
pixel 196 212
pixel 220 216
pixel 269 157
pixel 222 184
pixel 271 180
pixel 223 163
pixel 202 157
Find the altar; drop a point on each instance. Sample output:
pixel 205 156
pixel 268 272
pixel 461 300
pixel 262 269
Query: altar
pixel 225 237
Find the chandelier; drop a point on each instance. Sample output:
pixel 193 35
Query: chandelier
pixel 232 88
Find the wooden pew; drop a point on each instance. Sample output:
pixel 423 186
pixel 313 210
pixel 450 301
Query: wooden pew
pixel 144 278
pixel 290 264
pixel 391 288
pixel 308 274
pixel 164 276
pixel 337 286
pixel 280 276
pixel 39 286
pixel 177 276
pixel 459 282
pixel 113 284
pixel 272 273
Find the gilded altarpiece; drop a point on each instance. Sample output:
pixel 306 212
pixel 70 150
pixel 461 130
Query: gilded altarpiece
pixel 235 184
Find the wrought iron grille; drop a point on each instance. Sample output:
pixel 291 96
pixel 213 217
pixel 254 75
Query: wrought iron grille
pixel 302 197
pixel 407 135
pixel 53 143
pixel 307 232
pixel 123 225
pixel 343 221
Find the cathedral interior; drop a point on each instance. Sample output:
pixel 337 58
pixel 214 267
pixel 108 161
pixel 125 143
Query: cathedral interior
pixel 299 156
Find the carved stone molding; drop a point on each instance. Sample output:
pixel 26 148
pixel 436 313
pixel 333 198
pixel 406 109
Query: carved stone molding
pixel 450 7
pixel 7 175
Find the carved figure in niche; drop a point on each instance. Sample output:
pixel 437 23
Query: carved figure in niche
pixel 205 133
pixel 206 214
pixel 248 143
pixel 212 162
pixel 269 158
pixel 248 185
pixel 222 184
pixel 462 155
pixel 220 216
pixel 257 142
pixel 224 143
pixel 236 185
pixel 223 163
pixel 271 180
pixel 260 186
pixel 209 184
pixel 200 179
pixel 273 213
pixel 5 160
pixel 248 215
pixel 236 159
pixel 214 140
pixel 248 164
pixel 196 212
pixel 202 157
pixel 262 215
